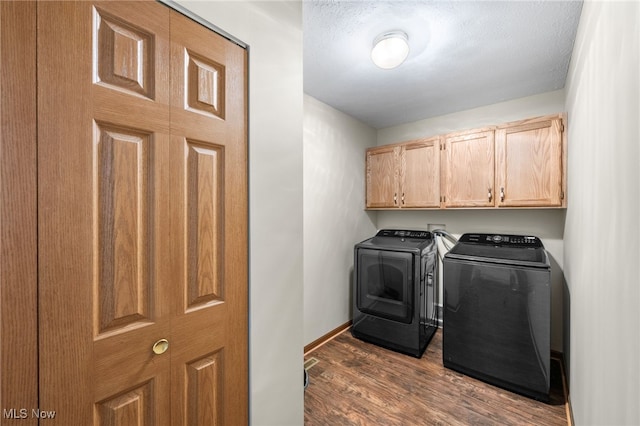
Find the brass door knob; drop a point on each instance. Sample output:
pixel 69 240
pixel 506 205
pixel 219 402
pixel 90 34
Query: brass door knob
pixel 160 346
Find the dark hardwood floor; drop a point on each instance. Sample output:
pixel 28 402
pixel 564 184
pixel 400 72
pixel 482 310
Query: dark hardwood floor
pixel 357 383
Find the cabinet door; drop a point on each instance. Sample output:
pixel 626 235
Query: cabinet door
pixel 420 174
pixel 469 175
pixel 382 177
pixel 529 163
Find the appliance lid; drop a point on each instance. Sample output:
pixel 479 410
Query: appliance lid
pixel 517 250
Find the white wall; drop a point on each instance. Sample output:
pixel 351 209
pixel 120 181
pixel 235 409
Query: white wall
pixel 548 224
pixel 334 216
pixel 273 31
pixel 601 255
pixel 503 112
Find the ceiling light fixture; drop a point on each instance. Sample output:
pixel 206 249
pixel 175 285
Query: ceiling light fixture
pixel 390 49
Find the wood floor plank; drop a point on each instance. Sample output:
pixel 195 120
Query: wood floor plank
pixel 357 383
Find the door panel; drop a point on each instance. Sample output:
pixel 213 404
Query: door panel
pixel 208 122
pixel 382 177
pixel 131 157
pixel 421 174
pixel 121 160
pixel 530 164
pixel 205 210
pixel 103 131
pixel 205 390
pixel 142 221
pixel 133 407
pixel 470 170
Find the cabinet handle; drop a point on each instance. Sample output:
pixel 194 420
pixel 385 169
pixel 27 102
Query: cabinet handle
pixel 403 198
pixel 395 198
pixel 490 195
pixel 501 194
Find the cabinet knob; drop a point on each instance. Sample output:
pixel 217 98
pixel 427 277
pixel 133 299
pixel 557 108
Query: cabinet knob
pixel 501 194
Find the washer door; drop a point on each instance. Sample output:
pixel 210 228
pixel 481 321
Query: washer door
pixel 384 283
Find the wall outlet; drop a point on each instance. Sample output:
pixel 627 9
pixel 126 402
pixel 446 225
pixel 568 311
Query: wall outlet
pixel 433 226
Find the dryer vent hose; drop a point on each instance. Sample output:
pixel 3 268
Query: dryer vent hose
pixel 445 239
pixel 444 234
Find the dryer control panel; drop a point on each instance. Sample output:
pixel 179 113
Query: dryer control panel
pixel 403 233
pixel 501 240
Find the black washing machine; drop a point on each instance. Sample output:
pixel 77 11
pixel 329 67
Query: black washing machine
pixel 394 290
pixel 496 321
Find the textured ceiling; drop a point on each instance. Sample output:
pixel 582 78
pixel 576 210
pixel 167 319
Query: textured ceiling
pixel 463 54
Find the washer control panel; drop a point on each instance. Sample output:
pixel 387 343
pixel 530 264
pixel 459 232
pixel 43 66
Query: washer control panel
pixel 403 233
pixel 502 240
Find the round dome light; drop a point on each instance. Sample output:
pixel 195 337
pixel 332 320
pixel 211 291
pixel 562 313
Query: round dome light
pixel 390 49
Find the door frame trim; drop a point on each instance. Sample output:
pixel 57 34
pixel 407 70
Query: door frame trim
pixel 18 211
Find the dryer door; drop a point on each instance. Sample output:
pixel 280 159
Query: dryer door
pixel 384 284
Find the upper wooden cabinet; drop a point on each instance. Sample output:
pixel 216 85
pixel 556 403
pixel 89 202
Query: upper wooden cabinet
pixel 382 177
pixel 530 163
pixel 404 175
pixel 468 164
pixel 420 173
pixel 518 164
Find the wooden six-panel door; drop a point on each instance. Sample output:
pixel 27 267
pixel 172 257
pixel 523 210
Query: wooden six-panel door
pixel 142 215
